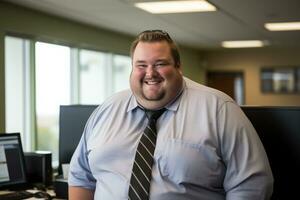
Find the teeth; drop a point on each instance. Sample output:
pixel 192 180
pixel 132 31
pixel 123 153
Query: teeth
pixel 152 82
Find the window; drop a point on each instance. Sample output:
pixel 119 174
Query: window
pixel 121 72
pixel 101 75
pixel 59 75
pixel 52 73
pixel 18 90
pixel 94 73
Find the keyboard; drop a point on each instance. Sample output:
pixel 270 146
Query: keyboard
pixel 16 195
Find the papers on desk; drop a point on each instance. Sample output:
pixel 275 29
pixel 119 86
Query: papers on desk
pixel 3 165
pixel 65 170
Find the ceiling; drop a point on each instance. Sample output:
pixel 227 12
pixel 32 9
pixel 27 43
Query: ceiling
pixel 234 20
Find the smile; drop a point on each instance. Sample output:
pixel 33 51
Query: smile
pixel 152 81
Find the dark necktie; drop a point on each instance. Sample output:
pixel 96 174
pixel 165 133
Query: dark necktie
pixel 142 167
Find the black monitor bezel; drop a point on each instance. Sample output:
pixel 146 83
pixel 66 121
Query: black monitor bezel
pixel 22 183
pixel 71 113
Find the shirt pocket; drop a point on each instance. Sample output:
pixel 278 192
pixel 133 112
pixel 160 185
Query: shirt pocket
pixel 184 162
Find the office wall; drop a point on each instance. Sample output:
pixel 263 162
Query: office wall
pixel 40 26
pixel 192 64
pixel 35 25
pixel 2 106
pixel 250 62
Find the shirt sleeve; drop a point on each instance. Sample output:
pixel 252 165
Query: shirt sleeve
pixel 79 173
pixel 248 173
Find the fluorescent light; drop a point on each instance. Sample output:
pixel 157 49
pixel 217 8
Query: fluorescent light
pixel 159 7
pixel 243 44
pixel 283 26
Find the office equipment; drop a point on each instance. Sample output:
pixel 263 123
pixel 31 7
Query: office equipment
pixel 12 163
pixel 72 120
pixel 13 169
pixel 61 188
pixel 39 167
pixel 16 195
pixel 279 131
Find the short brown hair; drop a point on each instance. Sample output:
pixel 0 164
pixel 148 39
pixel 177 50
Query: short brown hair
pixel 157 36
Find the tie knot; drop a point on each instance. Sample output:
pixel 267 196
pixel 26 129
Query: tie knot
pixel 154 114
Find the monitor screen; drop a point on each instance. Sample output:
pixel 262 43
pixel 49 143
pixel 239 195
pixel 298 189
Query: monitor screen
pixel 12 163
pixel 72 120
pixel 279 131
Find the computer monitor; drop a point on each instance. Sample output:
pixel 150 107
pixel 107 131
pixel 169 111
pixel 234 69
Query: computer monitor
pixel 279 131
pixel 72 120
pixel 12 163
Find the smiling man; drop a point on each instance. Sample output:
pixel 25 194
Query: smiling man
pixel 156 77
pixel 168 138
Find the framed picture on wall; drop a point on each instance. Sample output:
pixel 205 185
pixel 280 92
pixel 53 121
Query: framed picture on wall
pixel 298 79
pixel 285 80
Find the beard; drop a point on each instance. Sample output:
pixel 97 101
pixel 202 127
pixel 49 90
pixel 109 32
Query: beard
pixel 153 97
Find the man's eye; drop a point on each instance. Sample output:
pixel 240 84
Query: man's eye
pixel 141 66
pixel 160 64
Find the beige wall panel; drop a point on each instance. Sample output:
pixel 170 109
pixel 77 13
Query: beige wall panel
pixel 250 61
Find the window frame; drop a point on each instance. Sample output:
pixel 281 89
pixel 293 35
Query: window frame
pixel 30 119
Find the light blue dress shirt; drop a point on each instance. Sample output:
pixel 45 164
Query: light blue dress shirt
pixel 206 149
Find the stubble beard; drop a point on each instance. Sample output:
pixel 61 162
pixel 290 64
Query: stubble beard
pixel 159 96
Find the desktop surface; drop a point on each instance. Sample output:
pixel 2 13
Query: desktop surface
pixel 31 194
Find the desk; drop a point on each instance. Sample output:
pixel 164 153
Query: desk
pixel 50 192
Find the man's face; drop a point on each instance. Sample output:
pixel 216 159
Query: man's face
pixel 155 79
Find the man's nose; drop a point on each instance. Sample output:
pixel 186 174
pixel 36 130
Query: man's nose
pixel 150 71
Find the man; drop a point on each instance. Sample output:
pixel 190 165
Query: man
pixel 205 147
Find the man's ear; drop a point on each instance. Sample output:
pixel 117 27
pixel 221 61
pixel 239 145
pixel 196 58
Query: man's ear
pixel 180 71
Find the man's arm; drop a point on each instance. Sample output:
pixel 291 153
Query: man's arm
pixel 81 181
pixel 79 193
pixel 248 174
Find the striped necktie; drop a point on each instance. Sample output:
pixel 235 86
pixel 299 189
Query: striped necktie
pixel 142 168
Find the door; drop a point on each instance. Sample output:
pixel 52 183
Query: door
pixel 231 83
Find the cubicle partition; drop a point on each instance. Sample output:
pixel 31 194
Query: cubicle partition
pixel 279 131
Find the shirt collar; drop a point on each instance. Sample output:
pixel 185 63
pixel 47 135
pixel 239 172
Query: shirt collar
pixel 133 104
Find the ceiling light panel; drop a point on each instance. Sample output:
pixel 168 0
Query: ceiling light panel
pixel 160 7
pixel 243 44
pixel 283 26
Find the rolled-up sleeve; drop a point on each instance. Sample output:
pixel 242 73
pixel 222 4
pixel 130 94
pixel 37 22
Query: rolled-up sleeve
pixel 248 173
pixel 80 174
